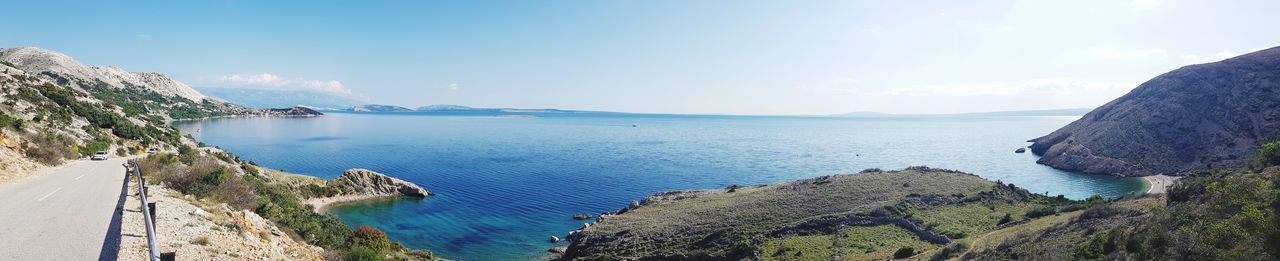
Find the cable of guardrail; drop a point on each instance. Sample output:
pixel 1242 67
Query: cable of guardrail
pixel 146 213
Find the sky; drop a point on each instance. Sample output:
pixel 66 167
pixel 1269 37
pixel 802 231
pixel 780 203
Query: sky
pixel 722 57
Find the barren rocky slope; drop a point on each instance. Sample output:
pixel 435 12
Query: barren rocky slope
pixel 1196 117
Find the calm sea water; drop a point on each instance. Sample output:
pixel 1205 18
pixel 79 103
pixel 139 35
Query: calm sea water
pixel 505 185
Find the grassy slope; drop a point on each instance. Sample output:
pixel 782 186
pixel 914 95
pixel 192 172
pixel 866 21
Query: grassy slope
pixel 746 224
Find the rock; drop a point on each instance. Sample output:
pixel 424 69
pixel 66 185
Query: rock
pixel 555 239
pixel 585 226
pixel 1196 117
pixel 370 182
pixel 581 216
pixel 1020 150
pixel 558 250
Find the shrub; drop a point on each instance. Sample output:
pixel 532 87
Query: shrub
pixel 371 238
pixel 363 254
pixel 7 121
pixel 201 240
pixel 48 149
pixel 1269 154
pixel 1006 219
pixel 1103 211
pixel 238 193
pixel 904 252
pixel 316 191
pixel 1040 212
pixel 733 188
pixel 951 251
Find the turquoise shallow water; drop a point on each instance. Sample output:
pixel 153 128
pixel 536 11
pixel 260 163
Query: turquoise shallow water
pixel 505 185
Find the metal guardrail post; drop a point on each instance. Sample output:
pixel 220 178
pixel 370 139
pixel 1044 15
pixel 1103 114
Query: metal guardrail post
pixel 147 213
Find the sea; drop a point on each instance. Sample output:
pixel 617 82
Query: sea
pixel 505 183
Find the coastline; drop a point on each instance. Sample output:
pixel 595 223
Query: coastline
pixel 320 204
pixel 1158 184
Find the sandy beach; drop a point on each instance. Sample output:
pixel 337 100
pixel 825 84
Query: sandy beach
pixel 1158 184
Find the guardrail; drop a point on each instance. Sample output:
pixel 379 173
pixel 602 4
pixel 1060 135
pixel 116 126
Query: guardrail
pixel 146 213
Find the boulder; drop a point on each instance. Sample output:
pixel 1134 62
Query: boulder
pixel 558 250
pixel 369 182
pixel 1020 150
pixel 555 239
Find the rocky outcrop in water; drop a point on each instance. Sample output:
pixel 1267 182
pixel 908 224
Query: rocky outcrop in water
pixel 364 181
pixel 1196 117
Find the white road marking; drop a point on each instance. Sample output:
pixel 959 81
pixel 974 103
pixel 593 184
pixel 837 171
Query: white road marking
pixel 78 178
pixel 50 194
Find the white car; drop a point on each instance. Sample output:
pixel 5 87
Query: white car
pixel 101 155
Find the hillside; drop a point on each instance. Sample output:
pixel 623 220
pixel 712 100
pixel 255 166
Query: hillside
pixel 870 215
pixel 136 93
pixel 1197 117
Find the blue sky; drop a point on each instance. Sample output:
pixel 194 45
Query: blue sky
pixel 738 57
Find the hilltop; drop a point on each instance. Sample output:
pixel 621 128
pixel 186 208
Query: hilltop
pixel 1197 117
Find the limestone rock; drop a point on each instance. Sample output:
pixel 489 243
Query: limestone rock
pixel 369 182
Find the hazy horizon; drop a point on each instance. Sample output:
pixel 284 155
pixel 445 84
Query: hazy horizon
pixel 704 57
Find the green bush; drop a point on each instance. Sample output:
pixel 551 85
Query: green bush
pixel 363 254
pixel 1269 154
pixel 1040 212
pixel 904 252
pixel 7 121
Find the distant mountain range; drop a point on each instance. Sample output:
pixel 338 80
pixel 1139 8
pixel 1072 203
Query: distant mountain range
pixel 260 98
pixel 447 108
pixel 1053 112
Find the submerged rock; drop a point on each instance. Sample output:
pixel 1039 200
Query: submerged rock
pixel 369 182
pixel 1020 150
pixel 557 250
pixel 581 216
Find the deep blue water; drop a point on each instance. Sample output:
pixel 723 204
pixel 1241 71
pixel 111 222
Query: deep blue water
pixel 505 185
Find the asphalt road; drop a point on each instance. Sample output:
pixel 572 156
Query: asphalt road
pixel 66 214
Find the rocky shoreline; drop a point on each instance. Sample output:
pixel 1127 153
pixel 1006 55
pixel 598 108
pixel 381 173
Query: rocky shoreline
pixel 366 185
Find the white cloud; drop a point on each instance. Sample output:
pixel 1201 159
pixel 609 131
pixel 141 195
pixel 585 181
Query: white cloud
pixel 1109 53
pixel 453 87
pixel 272 81
pixel 1048 86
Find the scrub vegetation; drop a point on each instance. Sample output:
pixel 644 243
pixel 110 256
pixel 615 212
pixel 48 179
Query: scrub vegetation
pixel 870 215
pixel 222 178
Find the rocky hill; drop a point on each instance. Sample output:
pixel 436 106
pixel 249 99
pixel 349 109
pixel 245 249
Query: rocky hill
pixel 137 93
pixel 1196 117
